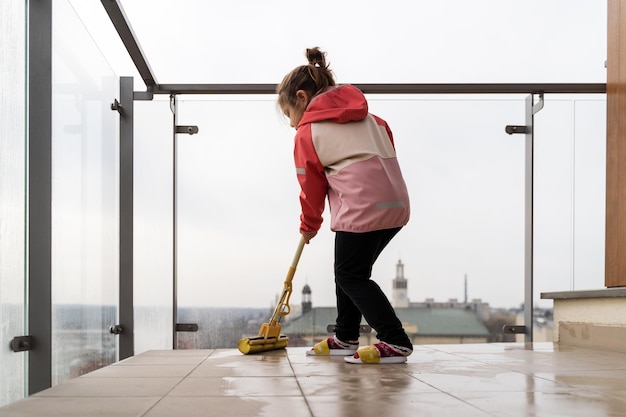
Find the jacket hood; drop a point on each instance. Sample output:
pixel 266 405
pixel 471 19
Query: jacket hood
pixel 340 104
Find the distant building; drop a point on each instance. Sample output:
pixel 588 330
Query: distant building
pixel 477 306
pixel 307 303
pixel 400 298
pixel 423 326
pixel 399 292
pixel 429 322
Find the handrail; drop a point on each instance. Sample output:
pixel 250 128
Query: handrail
pixel 503 88
pixel 127 36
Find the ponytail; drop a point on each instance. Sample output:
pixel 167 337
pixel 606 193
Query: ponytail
pixel 313 78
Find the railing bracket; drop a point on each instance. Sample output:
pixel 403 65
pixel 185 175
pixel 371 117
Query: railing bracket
pixel 511 129
pixel 143 95
pixel 116 106
pixel 186 327
pixel 190 130
pixel 509 329
pixel 116 329
pixel 539 104
pixel 22 343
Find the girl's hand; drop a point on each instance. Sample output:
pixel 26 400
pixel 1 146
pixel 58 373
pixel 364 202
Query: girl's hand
pixel 307 236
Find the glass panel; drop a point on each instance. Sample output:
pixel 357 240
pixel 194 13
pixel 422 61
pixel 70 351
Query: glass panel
pixel 589 193
pixel 466 181
pixel 12 196
pixel 570 185
pixel 237 217
pixel 153 225
pixel 422 42
pixel 238 207
pixel 84 200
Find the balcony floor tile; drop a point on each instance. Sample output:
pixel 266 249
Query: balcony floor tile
pixel 477 380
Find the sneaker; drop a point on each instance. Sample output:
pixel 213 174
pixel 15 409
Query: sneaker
pixel 380 353
pixel 333 347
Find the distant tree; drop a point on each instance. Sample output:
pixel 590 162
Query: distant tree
pixel 495 323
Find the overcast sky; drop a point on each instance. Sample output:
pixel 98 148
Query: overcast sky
pixel 238 194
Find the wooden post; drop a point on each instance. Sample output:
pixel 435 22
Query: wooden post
pixel 615 250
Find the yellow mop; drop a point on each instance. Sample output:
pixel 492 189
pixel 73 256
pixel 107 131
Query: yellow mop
pixel 269 337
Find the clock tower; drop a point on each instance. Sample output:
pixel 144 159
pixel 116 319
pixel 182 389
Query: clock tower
pixel 400 296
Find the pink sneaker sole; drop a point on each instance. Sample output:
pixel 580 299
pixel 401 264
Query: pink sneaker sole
pixel 390 359
pixel 333 352
pixel 372 355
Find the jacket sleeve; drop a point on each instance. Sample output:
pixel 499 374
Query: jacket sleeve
pixel 312 179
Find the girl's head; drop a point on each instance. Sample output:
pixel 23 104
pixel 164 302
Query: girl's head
pixel 302 84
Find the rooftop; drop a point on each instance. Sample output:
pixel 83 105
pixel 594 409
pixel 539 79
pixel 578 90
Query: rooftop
pixel 431 321
pixel 508 379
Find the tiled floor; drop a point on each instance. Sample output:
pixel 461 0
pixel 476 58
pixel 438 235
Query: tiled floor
pixel 439 380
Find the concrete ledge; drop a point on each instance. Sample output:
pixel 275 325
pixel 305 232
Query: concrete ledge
pixel 593 336
pixel 593 318
pixel 602 293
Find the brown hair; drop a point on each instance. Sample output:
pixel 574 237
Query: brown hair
pixel 312 78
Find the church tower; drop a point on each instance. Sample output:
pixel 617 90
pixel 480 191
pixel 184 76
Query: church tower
pixel 307 304
pixel 400 296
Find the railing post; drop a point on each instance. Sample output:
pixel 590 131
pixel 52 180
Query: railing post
pixel 40 195
pixel 126 258
pixel 189 130
pixel 174 223
pixel 528 220
pixel 529 132
pixel 531 109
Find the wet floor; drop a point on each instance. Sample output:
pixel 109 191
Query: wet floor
pixel 508 379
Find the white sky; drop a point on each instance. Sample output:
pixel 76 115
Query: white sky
pixel 238 195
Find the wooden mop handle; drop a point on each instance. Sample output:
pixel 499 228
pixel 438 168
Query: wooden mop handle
pixel 282 308
pixel 296 259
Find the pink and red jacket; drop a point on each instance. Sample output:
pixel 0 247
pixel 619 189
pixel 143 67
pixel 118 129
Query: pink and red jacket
pixel 345 153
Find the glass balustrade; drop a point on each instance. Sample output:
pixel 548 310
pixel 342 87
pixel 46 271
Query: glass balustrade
pixel 236 193
pixel 12 197
pixel 85 190
pixel 238 206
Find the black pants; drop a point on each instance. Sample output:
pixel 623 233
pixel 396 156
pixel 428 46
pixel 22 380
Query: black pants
pixel 357 294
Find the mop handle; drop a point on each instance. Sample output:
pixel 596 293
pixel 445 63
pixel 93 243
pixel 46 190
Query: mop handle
pixel 282 308
pixel 296 257
pixel 294 264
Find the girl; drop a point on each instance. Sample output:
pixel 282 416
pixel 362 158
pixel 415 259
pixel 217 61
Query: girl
pixel 347 155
